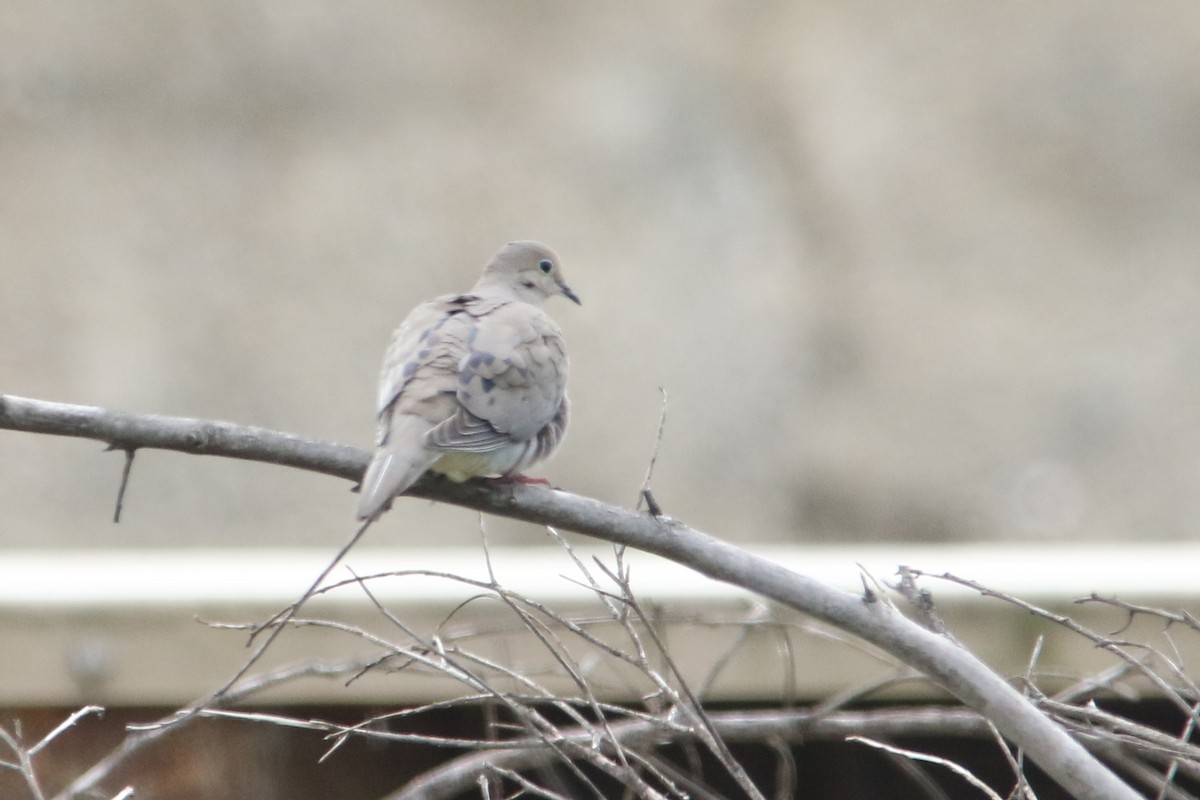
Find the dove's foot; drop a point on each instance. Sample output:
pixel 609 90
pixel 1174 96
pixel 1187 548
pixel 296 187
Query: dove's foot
pixel 519 478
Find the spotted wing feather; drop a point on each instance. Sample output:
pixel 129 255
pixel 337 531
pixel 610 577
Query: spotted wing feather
pixel 511 385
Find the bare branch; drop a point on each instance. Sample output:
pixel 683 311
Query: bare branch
pixel 646 495
pixel 142 736
pixel 125 431
pixel 951 666
pixel 24 763
pixel 124 484
pixel 67 723
pixel 457 775
pixel 1134 609
pixel 1118 648
pixel 915 756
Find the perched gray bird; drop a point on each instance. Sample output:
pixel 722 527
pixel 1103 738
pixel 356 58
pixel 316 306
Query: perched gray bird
pixel 473 384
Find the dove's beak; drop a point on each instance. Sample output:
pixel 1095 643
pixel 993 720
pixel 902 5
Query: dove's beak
pixel 567 293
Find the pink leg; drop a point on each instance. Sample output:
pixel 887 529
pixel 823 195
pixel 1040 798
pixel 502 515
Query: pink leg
pixel 519 478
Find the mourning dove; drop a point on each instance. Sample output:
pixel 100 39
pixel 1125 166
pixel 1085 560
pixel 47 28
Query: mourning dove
pixel 473 384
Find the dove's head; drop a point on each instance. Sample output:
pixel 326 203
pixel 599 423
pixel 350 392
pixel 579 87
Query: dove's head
pixel 528 271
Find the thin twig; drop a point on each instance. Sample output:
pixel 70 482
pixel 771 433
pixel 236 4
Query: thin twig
pixel 1015 763
pixel 1183 617
pixel 24 761
pixel 66 724
pixel 961 771
pixel 455 662
pixel 136 740
pixel 917 775
pixel 129 453
pixel 453 777
pixel 645 494
pixel 1117 648
pixel 687 701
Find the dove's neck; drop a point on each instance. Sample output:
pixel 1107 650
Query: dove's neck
pixel 500 287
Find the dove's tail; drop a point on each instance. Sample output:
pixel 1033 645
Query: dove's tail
pixel 396 466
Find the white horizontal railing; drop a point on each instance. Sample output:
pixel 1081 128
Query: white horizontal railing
pixel 128 626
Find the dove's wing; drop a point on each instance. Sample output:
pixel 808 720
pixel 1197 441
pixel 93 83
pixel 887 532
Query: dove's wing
pixel 417 392
pixel 425 352
pixel 511 385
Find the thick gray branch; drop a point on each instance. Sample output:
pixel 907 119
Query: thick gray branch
pixel 123 431
pixel 954 668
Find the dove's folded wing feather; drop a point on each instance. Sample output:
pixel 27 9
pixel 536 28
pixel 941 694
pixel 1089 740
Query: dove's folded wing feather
pixel 422 362
pixel 511 385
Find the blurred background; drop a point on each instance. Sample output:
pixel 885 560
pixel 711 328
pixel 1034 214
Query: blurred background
pixel 904 270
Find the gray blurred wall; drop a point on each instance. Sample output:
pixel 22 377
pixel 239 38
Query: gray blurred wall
pixel 905 270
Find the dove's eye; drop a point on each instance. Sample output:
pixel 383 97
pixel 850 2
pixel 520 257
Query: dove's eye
pixel 546 266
